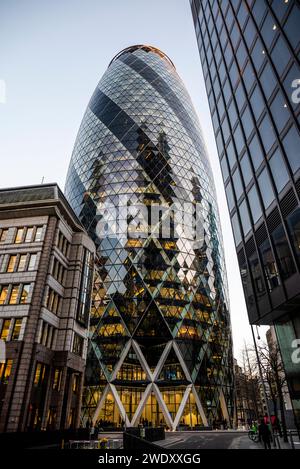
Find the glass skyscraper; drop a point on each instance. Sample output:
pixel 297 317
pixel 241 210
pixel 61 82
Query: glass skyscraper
pixel 250 58
pixel 160 349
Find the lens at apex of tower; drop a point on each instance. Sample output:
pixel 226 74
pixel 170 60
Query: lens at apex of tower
pixel 145 48
pixel 160 327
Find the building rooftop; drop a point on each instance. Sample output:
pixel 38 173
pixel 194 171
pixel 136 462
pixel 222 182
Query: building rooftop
pixel 146 48
pixel 14 200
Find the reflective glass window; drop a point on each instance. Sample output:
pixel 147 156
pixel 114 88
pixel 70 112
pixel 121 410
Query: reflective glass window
pixel 228 54
pixel 257 102
pixel 254 204
pixel 235 36
pixel 224 6
pixel 239 139
pixel 248 76
pixel 229 195
pixel 219 143
pixel 256 153
pixel 293 222
pixel 217 55
pixel 291 144
pixel 279 110
pixel 221 107
pixel 242 15
pixel 241 55
pixel 3 235
pixel 240 96
pixel 246 169
pixel 269 30
pixel 258 10
pixel 245 219
pixel 32 262
pixel 223 38
pixel 249 33
pixel 232 112
pixel 14 295
pixel 213 39
pixel 230 151
pixel 225 130
pixel 280 7
pixel 285 260
pixel 224 168
pixel 266 188
pixel 5 329
pixel 11 264
pixel 22 262
pixel 257 276
pixel 247 122
pixel 234 74
pixel 215 121
pixel 29 233
pixel 279 171
pixel 25 293
pixel 247 284
pixel 291 27
pixel 268 80
pixel 258 54
pixel 3 293
pixel 16 329
pixel 267 133
pixel 269 264
pixel 280 55
pixel 213 73
pixel 222 71
pixel 237 183
pixel 236 229
pixel 19 235
pixel 38 234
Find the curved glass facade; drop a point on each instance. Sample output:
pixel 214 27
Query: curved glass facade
pixel 160 349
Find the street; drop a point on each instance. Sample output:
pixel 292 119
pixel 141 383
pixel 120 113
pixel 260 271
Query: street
pixel 208 440
pixel 226 439
pixel 200 440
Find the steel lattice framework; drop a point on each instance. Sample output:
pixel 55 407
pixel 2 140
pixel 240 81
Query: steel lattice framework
pixel 160 348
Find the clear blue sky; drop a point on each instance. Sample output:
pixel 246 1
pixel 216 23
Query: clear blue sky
pixel 53 53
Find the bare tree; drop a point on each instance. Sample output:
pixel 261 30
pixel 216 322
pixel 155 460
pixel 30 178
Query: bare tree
pixel 248 400
pixel 252 388
pixel 275 379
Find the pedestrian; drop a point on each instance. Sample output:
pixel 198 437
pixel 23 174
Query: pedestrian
pixel 276 424
pixel 92 432
pixel 254 427
pixel 265 434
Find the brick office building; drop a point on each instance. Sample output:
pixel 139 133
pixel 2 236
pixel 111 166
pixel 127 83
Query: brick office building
pixel 46 270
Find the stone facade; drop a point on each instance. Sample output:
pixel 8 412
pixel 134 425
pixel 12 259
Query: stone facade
pixel 46 270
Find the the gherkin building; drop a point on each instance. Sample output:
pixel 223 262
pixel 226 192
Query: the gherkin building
pixel 160 348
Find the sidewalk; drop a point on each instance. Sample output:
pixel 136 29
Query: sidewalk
pixel 284 445
pixel 243 442
pixel 169 441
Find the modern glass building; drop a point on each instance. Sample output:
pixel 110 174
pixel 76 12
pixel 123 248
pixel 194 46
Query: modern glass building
pixel 161 349
pixel 250 58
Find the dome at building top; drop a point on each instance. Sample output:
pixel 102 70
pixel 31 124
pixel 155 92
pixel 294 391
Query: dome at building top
pixel 146 48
